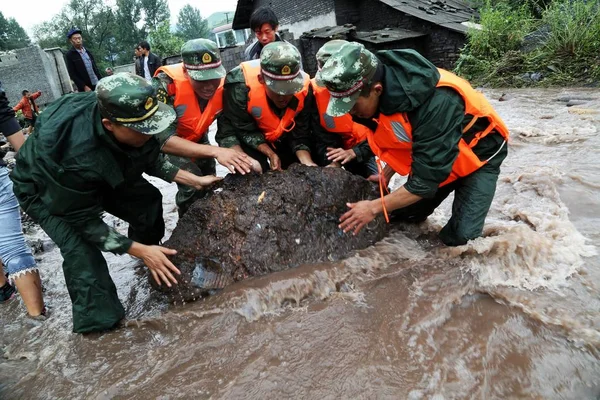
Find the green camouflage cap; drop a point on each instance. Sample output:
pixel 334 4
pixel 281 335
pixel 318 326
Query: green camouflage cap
pixel 202 59
pixel 131 101
pixel 345 74
pixel 325 52
pixel 280 68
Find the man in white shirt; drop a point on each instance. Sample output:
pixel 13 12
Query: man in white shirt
pixel 149 61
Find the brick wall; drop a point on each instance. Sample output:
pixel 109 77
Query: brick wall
pixel 30 69
pixel 347 11
pixel 441 46
pixel 292 11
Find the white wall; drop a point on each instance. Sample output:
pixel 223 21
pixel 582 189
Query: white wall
pixel 320 21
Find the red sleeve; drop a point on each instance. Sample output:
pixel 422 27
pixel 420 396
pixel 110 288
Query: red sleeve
pixel 36 94
pixel 18 106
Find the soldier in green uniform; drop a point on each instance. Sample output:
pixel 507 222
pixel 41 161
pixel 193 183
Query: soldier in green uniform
pixel 266 107
pixel 426 123
pixel 87 157
pixel 344 145
pixel 196 86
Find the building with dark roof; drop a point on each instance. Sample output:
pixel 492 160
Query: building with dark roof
pixel 436 28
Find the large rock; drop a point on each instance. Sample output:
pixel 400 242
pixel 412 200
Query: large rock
pixel 257 224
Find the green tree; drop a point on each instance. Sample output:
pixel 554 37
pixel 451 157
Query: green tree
pixel 96 21
pixel 155 13
pixel 191 25
pixel 12 35
pixel 128 14
pixel 164 42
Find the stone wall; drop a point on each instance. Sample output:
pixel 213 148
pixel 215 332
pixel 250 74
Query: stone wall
pixel 33 69
pixel 59 69
pixel 125 68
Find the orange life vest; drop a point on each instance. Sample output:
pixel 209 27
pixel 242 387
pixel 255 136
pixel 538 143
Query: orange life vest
pixel 194 123
pixel 268 122
pixel 392 141
pixel 352 132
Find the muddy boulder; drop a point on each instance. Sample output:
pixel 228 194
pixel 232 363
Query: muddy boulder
pixel 257 224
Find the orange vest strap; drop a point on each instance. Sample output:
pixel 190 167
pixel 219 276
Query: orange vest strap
pixel 267 121
pixel 351 132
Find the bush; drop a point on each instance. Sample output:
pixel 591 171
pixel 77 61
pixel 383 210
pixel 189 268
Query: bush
pixel 502 31
pixel 566 51
pixel 574 28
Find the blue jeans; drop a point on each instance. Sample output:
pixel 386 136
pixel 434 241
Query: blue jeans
pixel 14 253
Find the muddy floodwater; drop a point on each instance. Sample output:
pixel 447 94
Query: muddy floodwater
pixel 514 314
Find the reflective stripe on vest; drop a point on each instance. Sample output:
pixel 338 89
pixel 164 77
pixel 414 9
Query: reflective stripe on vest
pixel 193 124
pixel 270 124
pixel 392 141
pixel 352 132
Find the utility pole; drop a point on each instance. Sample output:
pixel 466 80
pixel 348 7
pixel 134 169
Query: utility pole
pixel 227 16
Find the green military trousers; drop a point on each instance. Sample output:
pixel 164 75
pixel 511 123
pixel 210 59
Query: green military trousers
pixel 96 306
pixel 473 197
pixel 186 195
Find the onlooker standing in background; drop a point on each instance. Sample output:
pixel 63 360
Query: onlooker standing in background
pixel 149 62
pixel 14 253
pixel 137 59
pixel 29 108
pixel 108 71
pixel 80 63
pixel 264 24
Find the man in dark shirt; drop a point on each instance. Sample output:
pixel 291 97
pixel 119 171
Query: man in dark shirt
pixel 149 62
pixel 80 63
pixel 264 24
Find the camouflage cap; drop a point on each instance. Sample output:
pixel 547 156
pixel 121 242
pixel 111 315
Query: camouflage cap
pixel 131 101
pixel 345 74
pixel 202 59
pixel 280 68
pixel 325 52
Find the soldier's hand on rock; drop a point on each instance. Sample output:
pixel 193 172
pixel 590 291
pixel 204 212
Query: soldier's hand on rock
pixel 87 89
pixel 275 162
pixel 155 258
pixel 340 155
pixel 360 214
pixel 234 160
pixel 334 165
pixel 201 182
pixel 256 166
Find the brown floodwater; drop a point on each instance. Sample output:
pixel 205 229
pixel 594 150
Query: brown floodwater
pixel 514 314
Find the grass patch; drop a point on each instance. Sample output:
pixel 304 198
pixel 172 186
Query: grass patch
pixel 562 47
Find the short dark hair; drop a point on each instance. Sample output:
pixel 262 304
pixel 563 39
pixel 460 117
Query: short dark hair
pixel 376 78
pixel 261 16
pixel 25 92
pixel 144 45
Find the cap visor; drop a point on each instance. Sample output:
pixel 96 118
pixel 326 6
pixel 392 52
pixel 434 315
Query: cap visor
pixel 207 74
pixel 159 122
pixel 339 106
pixel 285 88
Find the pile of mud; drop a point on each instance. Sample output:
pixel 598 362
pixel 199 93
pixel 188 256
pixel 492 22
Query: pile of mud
pixel 257 224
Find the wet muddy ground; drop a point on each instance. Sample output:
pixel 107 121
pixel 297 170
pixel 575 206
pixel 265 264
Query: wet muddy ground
pixel 515 314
